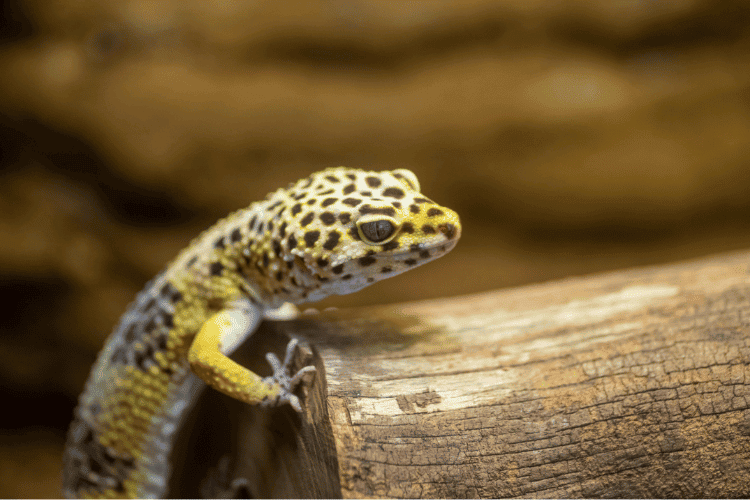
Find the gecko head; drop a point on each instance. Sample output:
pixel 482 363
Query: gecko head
pixel 348 228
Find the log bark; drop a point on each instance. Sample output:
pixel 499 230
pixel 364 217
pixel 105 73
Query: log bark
pixel 633 383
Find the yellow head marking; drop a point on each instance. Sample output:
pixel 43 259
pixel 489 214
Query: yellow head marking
pixel 342 229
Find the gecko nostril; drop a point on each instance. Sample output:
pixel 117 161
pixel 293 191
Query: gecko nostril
pixel 448 229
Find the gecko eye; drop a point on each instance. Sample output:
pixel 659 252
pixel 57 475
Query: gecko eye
pixel 376 231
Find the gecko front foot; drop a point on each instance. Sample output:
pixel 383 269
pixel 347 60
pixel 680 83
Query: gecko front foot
pixel 287 383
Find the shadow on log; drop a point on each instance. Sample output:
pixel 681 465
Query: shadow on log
pixel 627 384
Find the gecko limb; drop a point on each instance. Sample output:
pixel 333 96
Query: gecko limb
pixel 286 383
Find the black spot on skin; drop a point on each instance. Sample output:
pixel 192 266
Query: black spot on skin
pixel 261 227
pixel 327 218
pixel 265 260
pixel 370 279
pixel 345 217
pixel 307 219
pixel 130 333
pixel 332 240
pixel 251 225
pixel 292 241
pixel 373 182
pixel 161 342
pixel 449 230
pixel 354 234
pixel 424 254
pixel 352 202
pixel 276 248
pixel 167 319
pixel 322 262
pixel 428 229
pixel 89 437
pixel 296 209
pixel 396 204
pixel 433 212
pixel 294 281
pixel 366 193
pixel 283 209
pixel 279 275
pixel 328 201
pixel 410 262
pixel 423 200
pixel 349 189
pixel 307 183
pixel 394 193
pixel 414 208
pixel 148 305
pixel 352 176
pixel 246 258
pixel 367 260
pixel 216 268
pixel 346 277
pixel 150 325
pixel 270 226
pixel 311 201
pixel 332 178
pixel 274 205
pixel 323 193
pixel 168 290
pixel 192 261
pixel 300 196
pixel 109 457
pixel 367 209
pixel 219 243
pixel 282 230
pixel 338 269
pixel 319 187
pixel 415 247
pixel 407 227
pixel 322 279
pixel 311 237
pixel 236 235
pixel 289 265
pixel 119 356
pixel 385 269
pixel 391 245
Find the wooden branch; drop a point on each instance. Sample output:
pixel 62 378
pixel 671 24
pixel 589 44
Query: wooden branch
pixel 626 384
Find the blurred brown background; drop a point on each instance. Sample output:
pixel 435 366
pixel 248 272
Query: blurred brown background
pixel 571 137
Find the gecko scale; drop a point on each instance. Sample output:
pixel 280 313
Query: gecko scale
pixel 334 232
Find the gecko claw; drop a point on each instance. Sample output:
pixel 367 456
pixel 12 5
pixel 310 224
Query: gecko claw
pixel 287 383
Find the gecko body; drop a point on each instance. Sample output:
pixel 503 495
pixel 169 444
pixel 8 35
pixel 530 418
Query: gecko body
pixel 335 232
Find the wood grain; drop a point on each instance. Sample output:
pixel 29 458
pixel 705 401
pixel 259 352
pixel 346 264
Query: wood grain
pixel 627 384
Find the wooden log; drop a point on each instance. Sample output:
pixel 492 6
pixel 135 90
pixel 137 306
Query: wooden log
pixel 633 383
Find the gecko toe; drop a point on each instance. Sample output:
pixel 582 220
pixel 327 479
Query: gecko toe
pixel 287 383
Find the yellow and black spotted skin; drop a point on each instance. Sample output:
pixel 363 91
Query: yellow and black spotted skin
pixel 334 232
